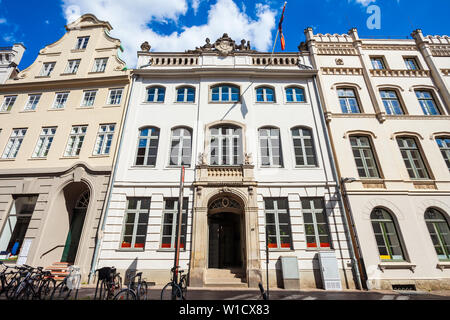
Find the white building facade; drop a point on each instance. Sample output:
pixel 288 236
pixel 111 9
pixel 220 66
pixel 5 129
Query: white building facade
pixel 248 129
pixel 9 60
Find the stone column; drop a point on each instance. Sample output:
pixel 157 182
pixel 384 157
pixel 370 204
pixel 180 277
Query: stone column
pixel 199 246
pixel 254 275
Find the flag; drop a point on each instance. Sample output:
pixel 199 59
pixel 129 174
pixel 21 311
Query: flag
pixel 280 30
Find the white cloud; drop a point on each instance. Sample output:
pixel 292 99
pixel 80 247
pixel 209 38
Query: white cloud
pixel 365 3
pixel 2 20
pixel 130 22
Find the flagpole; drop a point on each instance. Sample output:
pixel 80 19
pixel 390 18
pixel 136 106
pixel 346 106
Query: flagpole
pixel 276 38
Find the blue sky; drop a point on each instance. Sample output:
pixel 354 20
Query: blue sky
pixel 178 25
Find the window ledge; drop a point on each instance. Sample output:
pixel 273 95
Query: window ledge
pixel 27 111
pixel 143 167
pixel 169 250
pixel 131 250
pixel 96 72
pixel 69 157
pixel 5 112
pixel 56 109
pixel 443 265
pixel 85 108
pixel 153 102
pixel 99 156
pixel 224 102
pixel 112 105
pixel 182 102
pixel 7 159
pixel 68 74
pixel 396 265
pixel 318 249
pixel 281 249
pixel 42 77
pixel 37 158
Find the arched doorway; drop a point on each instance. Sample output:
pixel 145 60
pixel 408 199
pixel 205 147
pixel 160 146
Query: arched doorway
pixel 226 240
pixel 76 218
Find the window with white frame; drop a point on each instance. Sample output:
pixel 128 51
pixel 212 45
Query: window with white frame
pixel 316 224
pixel 364 157
pixel 104 139
pixel 89 98
pixel 156 94
pixel 170 223
pixel 135 223
pixel 439 230
pixel 278 223
pixel 44 142
pixel 8 103
pixel 60 100
pixel 47 69
pixel 33 100
pixel 412 157
pixel 225 93
pixel 348 101
pixel 75 142
pixel 72 66
pixel 427 102
pixel 186 94
pixel 147 146
pixel 82 43
pixel 265 94
pixel 391 102
pixel 411 64
pixel 386 235
pixel 444 146
pixel 181 147
pixel 295 94
pixel 100 65
pixel 303 147
pixel 226 145
pixel 115 96
pixel 14 143
pixel 270 145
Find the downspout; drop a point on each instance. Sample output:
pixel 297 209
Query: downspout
pixel 347 224
pixel 99 236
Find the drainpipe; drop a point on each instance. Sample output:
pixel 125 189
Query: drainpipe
pixel 347 227
pixel 103 218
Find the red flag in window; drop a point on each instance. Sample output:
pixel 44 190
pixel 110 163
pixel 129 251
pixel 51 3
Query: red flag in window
pixel 280 30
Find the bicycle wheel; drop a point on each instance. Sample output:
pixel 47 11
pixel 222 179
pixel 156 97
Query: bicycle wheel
pixel 183 284
pixel 61 292
pixel 125 294
pixel 46 289
pixel 171 291
pixel 26 293
pixel 142 291
pixel 11 288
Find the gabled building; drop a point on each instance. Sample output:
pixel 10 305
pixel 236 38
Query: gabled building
pixel 60 120
pixel 9 60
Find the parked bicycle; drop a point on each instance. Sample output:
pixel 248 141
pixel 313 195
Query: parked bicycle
pixel 110 283
pixel 65 288
pixel 134 291
pixel 33 284
pixel 8 278
pixel 174 290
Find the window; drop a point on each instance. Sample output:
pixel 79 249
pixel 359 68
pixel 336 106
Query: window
pixel 439 231
pixel 427 102
pixel 270 144
pixel 60 100
pixel 47 69
pixel 147 147
pixel 278 224
pixel 226 145
pixel 104 139
pixel 44 143
pixel 75 142
pixel 180 149
pixel 156 94
pixel 16 225
pixel 377 63
pixel 391 102
pixel 316 225
pixel 388 242
pixel 100 65
pixel 225 93
pixel 303 147
pixel 72 66
pixel 8 103
pixel 33 100
pixel 115 96
pixel 265 94
pixel 14 143
pixel 89 98
pixel 364 157
pixel 411 64
pixel 444 146
pixel 170 223
pixel 348 101
pixel 412 158
pixel 295 94
pixel 82 43
pixel 185 94
pixel 135 223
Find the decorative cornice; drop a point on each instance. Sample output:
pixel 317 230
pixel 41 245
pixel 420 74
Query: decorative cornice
pixel 445 72
pixel 341 71
pixel 342 49
pixel 440 50
pixel 399 73
pixel 392 47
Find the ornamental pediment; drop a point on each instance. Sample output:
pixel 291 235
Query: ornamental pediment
pixel 223 46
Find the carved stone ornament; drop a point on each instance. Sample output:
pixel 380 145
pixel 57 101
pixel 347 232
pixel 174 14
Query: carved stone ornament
pixel 224 46
pixel 339 62
pixel 145 46
pixel 202 158
pixel 248 158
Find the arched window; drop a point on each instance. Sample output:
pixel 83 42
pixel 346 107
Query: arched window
pixel 180 147
pixel 270 144
pixel 226 145
pixel 156 94
pixel 391 102
pixel 388 241
pixel 295 94
pixel 444 146
pixel 348 100
pixel 412 157
pixel 439 231
pixel 186 94
pixel 147 146
pixel 265 94
pixel 305 154
pixel 225 93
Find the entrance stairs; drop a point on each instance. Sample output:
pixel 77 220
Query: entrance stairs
pixel 225 278
pixel 59 270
